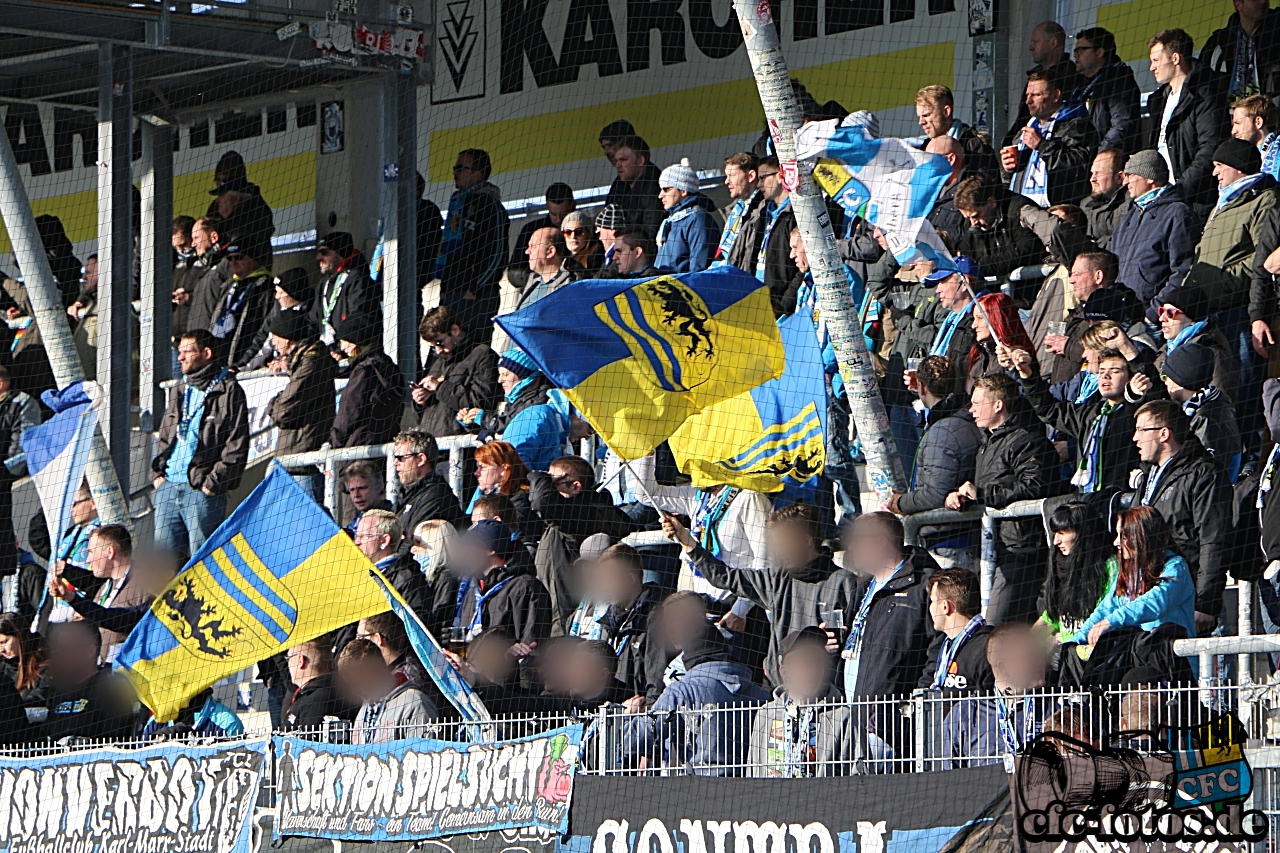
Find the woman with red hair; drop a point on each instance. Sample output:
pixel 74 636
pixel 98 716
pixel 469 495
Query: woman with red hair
pixel 998 314
pixel 500 471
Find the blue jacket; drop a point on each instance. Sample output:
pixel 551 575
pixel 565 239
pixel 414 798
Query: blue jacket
pixel 539 433
pixel 1156 247
pixel 687 238
pixel 1173 600
pixel 682 736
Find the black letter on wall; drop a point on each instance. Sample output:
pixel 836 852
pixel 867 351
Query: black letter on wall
pixel 601 48
pixel 646 15
pixel 67 125
pixel 26 135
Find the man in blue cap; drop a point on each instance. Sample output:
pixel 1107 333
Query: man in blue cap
pixel 957 283
pixel 491 595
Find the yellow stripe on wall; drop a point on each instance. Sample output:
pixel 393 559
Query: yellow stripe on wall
pixel 878 82
pixel 285 181
pixel 1135 22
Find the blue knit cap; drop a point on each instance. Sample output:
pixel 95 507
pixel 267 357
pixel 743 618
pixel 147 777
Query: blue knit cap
pixel 518 362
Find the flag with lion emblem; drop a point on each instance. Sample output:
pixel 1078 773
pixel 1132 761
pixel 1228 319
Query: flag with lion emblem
pixel 278 572
pixel 637 358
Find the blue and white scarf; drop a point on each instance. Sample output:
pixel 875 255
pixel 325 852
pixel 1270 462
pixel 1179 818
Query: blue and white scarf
pixel 950 648
pixel 732 227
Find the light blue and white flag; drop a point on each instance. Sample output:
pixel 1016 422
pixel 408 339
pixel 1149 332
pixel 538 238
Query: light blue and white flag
pixel 885 181
pixel 57 452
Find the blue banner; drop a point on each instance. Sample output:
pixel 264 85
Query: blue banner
pixel 196 799
pixel 414 789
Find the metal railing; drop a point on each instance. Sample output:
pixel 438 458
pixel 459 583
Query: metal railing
pixel 329 460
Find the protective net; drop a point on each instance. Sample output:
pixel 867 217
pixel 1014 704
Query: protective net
pixel 515 425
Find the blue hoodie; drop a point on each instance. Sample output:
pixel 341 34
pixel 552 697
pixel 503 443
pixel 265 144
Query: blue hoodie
pixel 539 433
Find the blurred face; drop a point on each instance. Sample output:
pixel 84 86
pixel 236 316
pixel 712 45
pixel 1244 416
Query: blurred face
pixel 369 680
pixel 1089 59
pixel 1084 279
pixel 489 477
pixel 490 659
pixel 328 259
pixel 629 164
pixel 373 545
pixel 1147 436
pixel 1042 100
pixel 1113 375
pixel 192 358
pixel 1246 127
pixel 1137 185
pixel 987 410
pixel 670 196
pixel 586 676
pixel 983 216
pixel 790 544
pixel 71 655
pixel 615 582
pixel 683 620
pixel 740 183
pixel 869 544
pixel 558 210
pixel 361 492
pixel 1064 541
pixel 465 175
pixel 1018 661
pixel 771 183
pixel 806 672
pixel 1044 50
pixel 1104 177
pixel 577 236
pixel 981 330
pixel 84 509
pixel 798 254
pixel 1173 321
pixel 1226 175
pixel 1164 65
pixel 200 239
pixel 507 379
pixel 935 119
pixel 9 647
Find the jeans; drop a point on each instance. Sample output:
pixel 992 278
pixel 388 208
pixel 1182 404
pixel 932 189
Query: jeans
pixel 185 517
pixel 1238 330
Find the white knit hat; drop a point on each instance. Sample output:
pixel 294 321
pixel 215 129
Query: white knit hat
pixel 865 120
pixel 679 177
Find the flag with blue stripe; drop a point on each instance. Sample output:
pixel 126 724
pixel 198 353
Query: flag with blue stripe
pixel 57 452
pixel 887 182
pixel 638 357
pixel 276 573
pixel 771 436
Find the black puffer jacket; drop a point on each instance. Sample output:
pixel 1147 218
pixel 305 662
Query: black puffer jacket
pixel 1194 496
pixel 369 412
pixel 628 632
pixel 521 604
pixel 304 409
pixel 1199 122
pixel 1007 244
pixel 580 516
pixel 223 448
pixel 429 498
pixel 1016 462
pixel 1067 154
pixel 1112 98
pixel 345 293
pixel 470 381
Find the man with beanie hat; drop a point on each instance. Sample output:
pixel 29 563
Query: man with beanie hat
pixel 370 407
pixel 1177 478
pixel 303 411
pixel 1224 266
pixel 294 294
pixel 560 203
pixel 491 595
pixel 344 290
pixel 1156 239
pixel 239 314
pixel 687 237
pixel 1184 318
pixel 1188 377
pixel 608 221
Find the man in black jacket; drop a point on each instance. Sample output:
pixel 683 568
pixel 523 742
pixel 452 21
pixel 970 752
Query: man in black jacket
pixel 1049 158
pixel 565 496
pixel 493 596
pixel 635 190
pixel 960 663
pixel 460 373
pixel 303 411
pixel 239 314
pixel 996 241
pixel 1191 492
pixel 86 701
pixel 474 246
pixel 379 536
pixel 1016 462
pixel 1048 49
pixel 1108 90
pixel 425 495
pixel 370 407
pixel 201 448
pixel 314 695
pixel 619 578
pixel 345 291
pixel 210 273
pixel 763 247
pixel 1247 50
pixel 1187 134
pixel 935 112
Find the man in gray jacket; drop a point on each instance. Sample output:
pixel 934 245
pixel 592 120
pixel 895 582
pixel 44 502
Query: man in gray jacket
pixel 806 730
pixel 393 708
pixel 797 589
pixel 945 459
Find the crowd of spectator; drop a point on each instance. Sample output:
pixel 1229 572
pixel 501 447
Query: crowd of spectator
pixel 1103 341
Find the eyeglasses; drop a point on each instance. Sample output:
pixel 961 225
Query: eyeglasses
pixel 1084 47
pixel 399 456
pixel 1147 429
pixel 1167 313
pixel 575 232
pixel 367 535
pixel 763 175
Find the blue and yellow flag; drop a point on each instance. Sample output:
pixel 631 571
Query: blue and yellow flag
pixel 638 357
pixel 276 573
pixel 770 436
